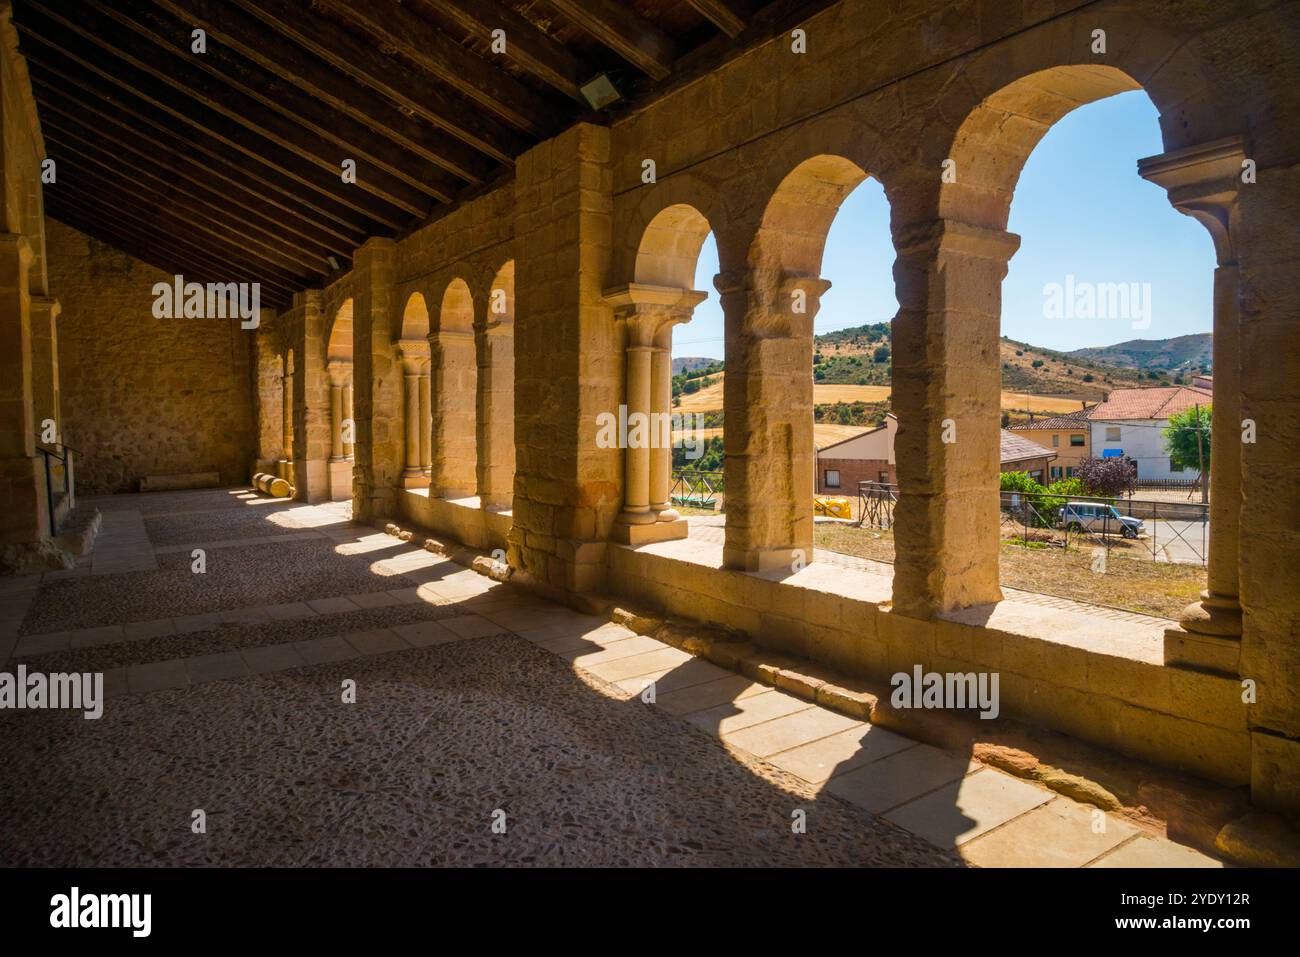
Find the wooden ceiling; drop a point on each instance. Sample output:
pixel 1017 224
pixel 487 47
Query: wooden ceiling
pixel 226 165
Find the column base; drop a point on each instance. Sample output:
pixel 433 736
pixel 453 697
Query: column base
pixel 414 479
pixel 766 560
pixel 646 534
pixel 665 513
pixel 340 480
pixel 1208 636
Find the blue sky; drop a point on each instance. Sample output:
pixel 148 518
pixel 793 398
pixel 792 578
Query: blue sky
pixel 1080 209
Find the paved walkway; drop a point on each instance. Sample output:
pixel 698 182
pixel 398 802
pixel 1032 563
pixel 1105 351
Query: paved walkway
pixel 488 727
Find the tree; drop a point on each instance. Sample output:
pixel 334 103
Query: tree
pixel 1188 440
pixel 881 354
pixel 1112 476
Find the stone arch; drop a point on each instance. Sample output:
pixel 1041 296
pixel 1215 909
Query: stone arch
pixel 670 247
pixel 994 141
pixel 454 395
pixel 415 318
pixel 797 218
pixel 339 338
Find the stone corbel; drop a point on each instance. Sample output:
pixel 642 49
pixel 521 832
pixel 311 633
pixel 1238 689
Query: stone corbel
pixel 649 312
pixel 414 355
pixel 1202 182
pixel 339 371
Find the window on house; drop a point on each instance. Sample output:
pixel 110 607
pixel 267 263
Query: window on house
pixel 832 478
pixel 1076 441
pixel 1112 433
pixel 1056 441
pixel 1069 471
pixel 1056 471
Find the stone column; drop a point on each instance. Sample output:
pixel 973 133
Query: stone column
pixel 647 315
pixel 311 408
pixel 336 421
pixel 1202 182
pixel 426 422
pixel 349 416
pixel 340 469
pixel 378 378
pixel 453 399
pixel 414 356
pixel 947 396
pixel 496 414
pixel 768 404
pixel 45 367
pixel 286 459
pixel 24 519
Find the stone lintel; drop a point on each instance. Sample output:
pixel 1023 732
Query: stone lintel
pixel 954 236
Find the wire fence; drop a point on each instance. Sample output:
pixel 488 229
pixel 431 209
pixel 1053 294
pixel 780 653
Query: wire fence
pixel 697 489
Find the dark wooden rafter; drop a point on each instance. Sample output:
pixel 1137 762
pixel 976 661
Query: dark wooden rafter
pixel 729 16
pixel 198 99
pixel 526 46
pixel 338 228
pixel 479 81
pixel 125 129
pixel 394 80
pixel 635 39
pixel 251 38
pixel 355 140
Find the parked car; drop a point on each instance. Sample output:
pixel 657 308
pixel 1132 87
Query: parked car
pixel 1098 517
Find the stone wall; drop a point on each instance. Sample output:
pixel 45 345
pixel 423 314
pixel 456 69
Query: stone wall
pixel 143 396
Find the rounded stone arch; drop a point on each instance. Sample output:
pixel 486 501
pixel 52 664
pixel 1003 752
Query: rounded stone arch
pixel 655 210
pixel 338 341
pixel 670 247
pixel 991 146
pixel 415 317
pixel 796 219
pixel 456 307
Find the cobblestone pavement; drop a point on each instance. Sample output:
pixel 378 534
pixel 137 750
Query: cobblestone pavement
pixel 488 727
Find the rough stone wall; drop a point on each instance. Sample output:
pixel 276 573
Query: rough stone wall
pixel 144 396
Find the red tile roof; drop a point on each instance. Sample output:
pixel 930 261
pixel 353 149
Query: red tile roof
pixel 1016 448
pixel 1070 420
pixel 1156 403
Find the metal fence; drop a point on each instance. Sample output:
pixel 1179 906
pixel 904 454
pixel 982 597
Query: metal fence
pixel 1140 528
pixel 59 484
pixel 698 489
pixel 876 501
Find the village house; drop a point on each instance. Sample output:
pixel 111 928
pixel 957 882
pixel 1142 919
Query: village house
pixel 1131 422
pixel 1067 435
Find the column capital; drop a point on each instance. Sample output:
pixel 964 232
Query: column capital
pixel 936 236
pixel 439 336
pixel 413 353
pixel 339 370
pixel 48 304
pixel 651 311
pixel 1202 182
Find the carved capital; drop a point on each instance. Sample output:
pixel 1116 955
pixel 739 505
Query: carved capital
pixel 1202 182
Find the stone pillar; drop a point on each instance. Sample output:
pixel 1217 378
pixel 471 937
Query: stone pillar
pixel 768 405
pixel 496 413
pixel 378 378
pixel 647 315
pixel 426 421
pixel 453 398
pixel 311 409
pixel 414 355
pixel 1202 182
pixel 340 469
pixel 336 422
pixel 947 396
pixel 24 516
pixel 45 367
pixel 568 362
pixel 286 398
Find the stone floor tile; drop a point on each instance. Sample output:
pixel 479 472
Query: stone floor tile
pixel 157 676
pixel 154 628
pixel 331 606
pixel 472 626
pixel 636 665
pixel 374 599
pixel 544 633
pixel 256 615
pixel 217 667
pixel 40 644
pixel 272 657
pixel 422 634
pixel 1155 852
pixel 708 694
pixel 742 712
pixel 790 731
pixel 290 611
pixel 376 641
pixel 405 596
pixel 899 777
pixel 115 683
pixel 818 761
pixel 591 654
pixel 186 624
pixel 1061 833
pixel 317 651
pixel 90 637
pixel 965 809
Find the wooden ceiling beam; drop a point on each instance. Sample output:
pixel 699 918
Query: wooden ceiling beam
pixel 635 39
pixel 95 53
pixel 526 45
pixel 251 39
pixel 478 80
pixel 139 135
pixel 393 79
pixel 729 16
pixel 249 80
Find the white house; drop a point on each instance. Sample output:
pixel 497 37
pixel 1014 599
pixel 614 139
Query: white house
pixel 1132 422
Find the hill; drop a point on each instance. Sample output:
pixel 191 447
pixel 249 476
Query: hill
pixel 691 363
pixel 1179 354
